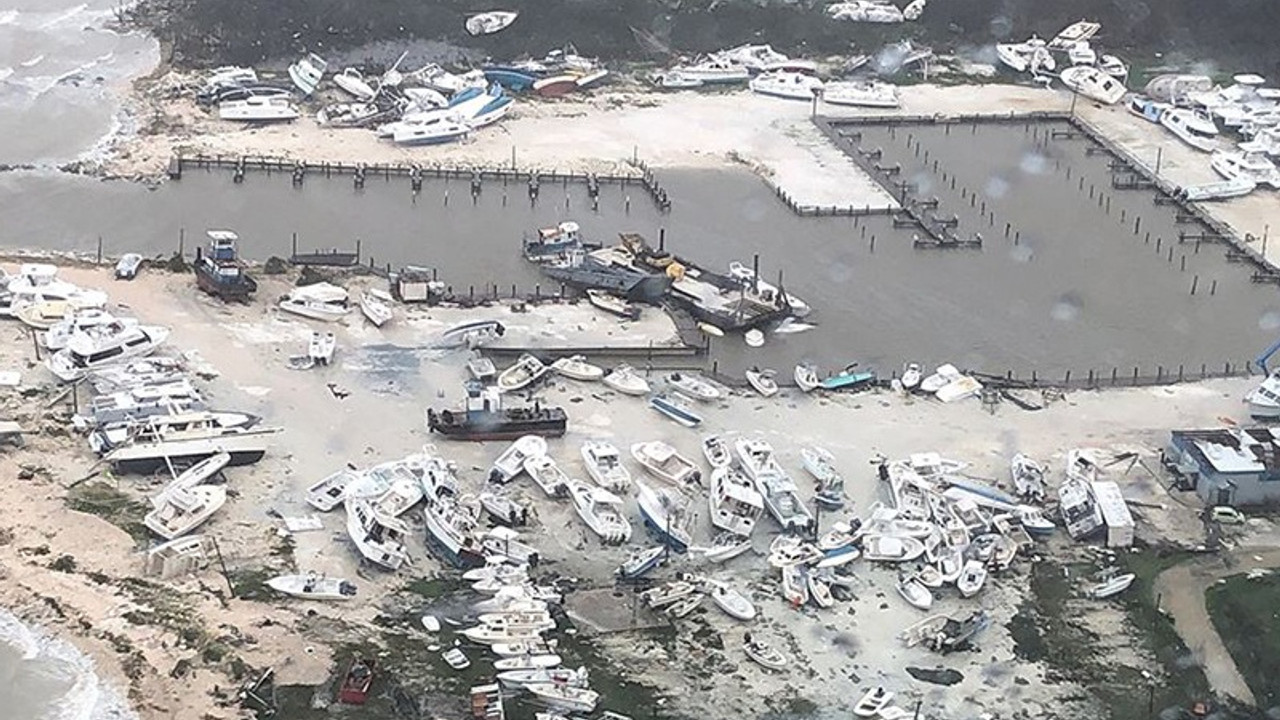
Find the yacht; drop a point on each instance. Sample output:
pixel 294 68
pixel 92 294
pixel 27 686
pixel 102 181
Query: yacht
pixel 1242 164
pixel 321 301
pixel 258 109
pixel 80 320
pixel 160 440
pixel 1192 127
pixel 1093 83
pixel 713 71
pixel 763 58
pixel 102 346
pixel 862 94
pixel 1029 56
pixel 789 85
pixel 1264 400
pixel 435 130
pixel 307 72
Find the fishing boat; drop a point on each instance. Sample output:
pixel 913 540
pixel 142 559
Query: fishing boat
pixel 512 460
pixel 972 578
pixel 716 451
pixel 127 266
pixel 861 94
pixel 321 301
pixel 564 697
pixel 481 368
pixel 576 367
pixel 1112 586
pixel 488 23
pixel 601 511
pixel 665 463
pixel 219 270
pixel 762 381
pixel 313 587
pixel 872 702
pixel 375 305
pixel 915 593
pixel 692 386
pixel 732 602
pixel 641 562
pixel 307 72
pixel 604 465
pixel 1093 83
pixel 1192 127
pixel 806 376
pixel 352 82
pixel 378 538
pixel 891 548
pixel 523 678
pixel 757 457
pixel 625 380
pixel 734 503
pixel 104 346
pixel 673 408
pixel 547 475
pixel 503 509
pixel 526 371
pixel 763 654
pixel 259 109
pixel 665 514
pixel 783 502
pixel 552 242
pixel 484 417
pixel 1028 478
pixel 182 511
pixel 612 304
pixel 355 685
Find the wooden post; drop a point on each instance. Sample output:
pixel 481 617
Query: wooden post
pixel 217 549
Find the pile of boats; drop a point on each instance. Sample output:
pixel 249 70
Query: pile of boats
pixel 1097 76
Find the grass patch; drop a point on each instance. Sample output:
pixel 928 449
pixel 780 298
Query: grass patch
pixel 432 588
pixel 1246 613
pixel 112 505
pixel 167 608
pixel 251 583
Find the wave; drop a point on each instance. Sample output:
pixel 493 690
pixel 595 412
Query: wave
pixel 32 62
pixel 63 17
pixel 5 73
pixel 9 17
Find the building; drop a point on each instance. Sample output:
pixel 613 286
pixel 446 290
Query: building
pixel 1233 466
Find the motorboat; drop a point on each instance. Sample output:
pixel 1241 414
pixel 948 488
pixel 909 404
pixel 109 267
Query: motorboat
pixel 745 275
pixel 349 114
pixel 783 501
pixel 375 305
pixel 1092 83
pixel 313 587
pixel 612 304
pixel 732 602
pixel 1034 521
pixel 1194 128
pixel 675 79
pixel 320 348
pixel 1028 478
pixel 184 510
pixel 1079 508
pixel 1226 189
pixel 219 270
pixel 113 435
pixel 734 503
pixel 128 265
pixel 563 697
pixel 806 377
pixel 665 463
pixel 76 321
pixel 330 491
pixel 551 242
pixel 258 109
pixel 873 702
pixel 1081 31
pixel 819 463
pixel 1082 53
pixel 524 647
pixel 526 371
pixel 1112 586
pixel 321 301
pixel 891 548
pixel 547 475
pixel 626 380
pixel 713 71
pixel 1244 165
pixel 665 513
pixel 604 465
pixel 307 72
pixel 725 546
pixel 716 451
pixel 601 511
pixel 1176 88
pixel 786 84
pixel 1031 56
pixel 1146 108
pixel 944 375
pixel 763 654
pixel 692 386
pixel 378 538
pixel 352 82
pixel 481 369
pixel 819 589
pixel 512 460
pixel 471 334
pixel 915 593
pixel 912 374
pixel 556 85
pixel 972 578
pixel 672 407
pixel 505 543
pixel 754 338
pixel 1264 400
pixel 504 509
pixel 762 381
pixel 523 678
pixel 867 11
pixel 763 58
pixel 436 130
pixel 757 458
pixel 641 562
pixel 667 594
pixel 576 367
pixel 120 408
pixel 861 94
pixel 488 23
pixel 1113 66
pixel 795 590
pixel 102 346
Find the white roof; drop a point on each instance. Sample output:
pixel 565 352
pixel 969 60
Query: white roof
pixel 1227 459
pixel 1111 502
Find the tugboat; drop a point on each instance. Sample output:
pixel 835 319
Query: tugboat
pixel 552 243
pixel 484 418
pixel 220 272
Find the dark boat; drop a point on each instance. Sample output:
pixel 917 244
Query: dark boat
pixel 608 269
pixel 484 418
pixel 551 243
pixel 355 686
pixel 721 300
pixel 220 272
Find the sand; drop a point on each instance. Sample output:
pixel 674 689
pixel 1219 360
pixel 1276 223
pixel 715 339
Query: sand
pixel 368 407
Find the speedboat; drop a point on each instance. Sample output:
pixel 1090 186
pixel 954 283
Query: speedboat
pixel 785 84
pixel 352 82
pixel 625 380
pixel 1093 83
pixel 716 451
pixel 546 474
pixel 693 386
pixel 577 368
pixel 1192 127
pixel 488 23
pixel 1081 31
pixel 313 587
pixel 307 72
pixel 601 511
pixel 525 372
pixel 1081 53
pixel 604 465
pixel 911 376
pixel 861 94
pixel 431 131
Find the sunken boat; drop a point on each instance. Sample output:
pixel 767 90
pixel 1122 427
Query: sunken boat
pixel 219 270
pixel 610 269
pixel 484 417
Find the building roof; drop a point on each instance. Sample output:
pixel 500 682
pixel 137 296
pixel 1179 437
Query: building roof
pixel 1235 450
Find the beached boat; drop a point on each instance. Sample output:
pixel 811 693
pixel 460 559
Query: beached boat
pixel 512 460
pixel 665 513
pixel 1245 165
pixel 789 85
pixel 732 602
pixel 503 509
pixel 725 546
pixel 1028 478
pixel 941 377
pixel 219 270
pixel 783 502
pixel 625 380
pixel 481 368
pixel 524 647
pixel 672 407
pixel 352 82
pixel 713 71
pixel 716 451
pixel 762 381
pixel 259 109
pixel 601 511
pixel 872 702
pixel 641 562
pixel 1192 127
pixel 505 543
pixel 563 697
pixel 484 417
pixel 754 338
pixel 307 72
pixel 604 464
pixel 350 114
pixel 692 386
pixel 182 511
pixel 848 379
pixel 915 592
pixel 313 587
pixel 763 654
pixel 456 659
pixel 819 590
pixel 757 457
pixel 430 130
pixel 379 539
pixel 668 593
pixel 1112 586
pixel 735 505
pixel 78 320
pixel 911 376
pixel 746 276
pixel 891 548
pixel 547 475
pixel 128 265
pixel 806 376
pixel 375 305
pixel 497 570
pixel 488 23
pixel 795 587
pixel 526 371
pixel 356 683
pixel 103 346
pixel 577 368
pixel 665 463
pixel 612 304
pixel 561 676
pixel 161 441
pixel 321 301
pixel 867 11
pixel 861 94
pixel 972 578
pixel 819 463
pixel 1093 83
pixel 675 79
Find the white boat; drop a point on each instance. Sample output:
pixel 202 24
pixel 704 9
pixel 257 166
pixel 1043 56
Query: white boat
pixel 965 386
pixel 162 440
pixel 911 376
pixel 819 590
pixel 482 368
pixel 352 82
pixel 577 368
pixel 1082 53
pixel 258 109
pixel 1028 477
pixel 560 676
pixel 724 547
pixel 871 703
pixel 795 588
pixel 185 510
pixel 1030 56
pixel 488 23
pixel 601 510
pixel 547 474
pixel 867 11
pixel 612 304
pixel 666 594
pixel 665 463
pixel 786 84
pixel 526 371
pixel 693 386
pixel 764 655
pixel 1226 189
pixel 103 346
pixel 716 451
pixel 891 548
pixel 379 539
pixel 1093 83
pixel 914 10
pixel 307 72
pixel 1244 165
pixel 471 334
pixel 435 130
pixel 941 377
pixel 1113 586
pixel 1264 400
pixel 625 380
pixel 43 314
pixel 806 376
pixel 502 542
pixel 1113 66
pixel 734 503
pixel 861 94
pixel 757 457
pixel 512 460
pixel 762 381
pixel 79 320
pixel 747 276
pixel 819 463
pixel 564 697
pixel 915 593
pixel 487 635
pixel 321 347
pixel 1081 31
pixel 127 266
pixel 754 338
pixel 502 508
pixel 375 305
pixel 674 407
pixel 763 58
pixel 665 512
pixel 321 301
pixel 456 659
pixel 714 71
pixel 313 587
pixel 972 578
pixel 604 465
pixel 733 603
pixel 524 647
pixel 675 79
pixel 510 574
pixel 193 476
pixel 783 502
pixel 1191 127
pixel 684 606
pixel 641 562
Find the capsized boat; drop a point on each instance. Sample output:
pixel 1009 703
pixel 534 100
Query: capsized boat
pixel 867 11
pixel 313 587
pixel 604 465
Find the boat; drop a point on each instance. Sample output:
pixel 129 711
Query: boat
pixel 471 334
pixel 503 509
pixel 757 457
pixel 128 265
pixel 665 463
pixel 625 380
pixel 665 513
pixel 667 594
pixel 819 590
pixel 524 647
pixel 1034 522
pixel 313 587
pixel 754 338
pixel 872 702
pixel 941 377
pixel 725 546
pixel 848 379
pixel 1146 108
pixel 1081 31
pixel 43 314
pixel 481 368
pixel 307 72
pixel 762 381
pixel 673 408
pixel 604 465
pixel 555 85
pixel 561 676
pixel 684 606
pixel 749 278
pixel 611 269
pixel 1113 66
pixel 601 511
pixel 1030 56
pixel 182 511
pixel 972 578
pixel 497 570
pixel 434 130
pixel 819 463
pixel 456 659
pixel 576 367
pixel 675 79
pixel 321 301
pixel 861 94
pixel 161 441
pixel 783 502
pixel 378 538
pixel 1093 83
pixel 512 460
pixel 788 85
pixel 1113 586
pixel 867 11
pixel 219 271
pixel 564 697
pixel 103 346
pixel 806 376
pixel 713 71
pixel 641 562
pixel 356 683
pixel 484 417
pixel 1028 478
pixel 258 109
pixel 1245 165
pixel 352 82
pixel 1082 53
pixel 503 542
pixel 763 58
pixel 320 348
pixel 692 386
pixel 488 23
pixel 375 305
pixel 734 503
pixel 488 635
pixel 733 603
pixel 891 548
pixel 1192 127
pixel 193 476
pixel 552 242
pixel 612 304
pixel 915 592
pixel 911 376
pixel 547 474
pixel 78 320
pixel 526 371
pixel 763 654
pixel 716 451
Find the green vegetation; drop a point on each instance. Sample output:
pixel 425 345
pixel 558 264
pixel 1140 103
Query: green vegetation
pixel 1246 613
pixel 112 505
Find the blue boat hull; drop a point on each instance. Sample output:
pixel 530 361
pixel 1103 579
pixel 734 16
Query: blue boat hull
pixel 678 414
pixel 850 380
pixel 509 79
pixel 668 539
